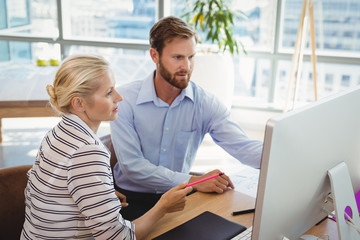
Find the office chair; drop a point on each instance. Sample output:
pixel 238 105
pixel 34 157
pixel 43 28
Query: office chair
pixel 13 181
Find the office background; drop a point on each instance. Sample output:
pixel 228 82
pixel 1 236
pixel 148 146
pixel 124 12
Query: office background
pixel 118 29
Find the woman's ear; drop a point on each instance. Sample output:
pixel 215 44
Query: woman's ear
pixel 154 54
pixel 77 104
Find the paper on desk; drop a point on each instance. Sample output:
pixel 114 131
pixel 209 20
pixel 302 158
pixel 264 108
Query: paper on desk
pixel 246 180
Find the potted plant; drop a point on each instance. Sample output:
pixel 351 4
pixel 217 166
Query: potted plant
pixel 214 21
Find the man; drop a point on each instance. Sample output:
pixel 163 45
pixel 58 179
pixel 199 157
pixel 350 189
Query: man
pixel 163 121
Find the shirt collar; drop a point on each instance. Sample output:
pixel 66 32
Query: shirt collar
pixel 81 125
pixel 147 92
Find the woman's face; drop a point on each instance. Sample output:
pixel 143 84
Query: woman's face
pixel 103 104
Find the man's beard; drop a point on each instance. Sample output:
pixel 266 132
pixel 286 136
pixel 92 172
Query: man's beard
pixel 171 78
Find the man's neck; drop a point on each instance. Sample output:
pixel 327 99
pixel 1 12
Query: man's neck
pixel 164 90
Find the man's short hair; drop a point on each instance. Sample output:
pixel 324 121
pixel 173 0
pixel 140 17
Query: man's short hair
pixel 168 28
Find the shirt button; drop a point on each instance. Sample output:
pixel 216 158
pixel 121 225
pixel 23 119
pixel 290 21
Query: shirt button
pixel 167 129
pixel 164 149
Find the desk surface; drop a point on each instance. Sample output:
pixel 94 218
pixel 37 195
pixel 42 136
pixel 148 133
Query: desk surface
pixel 223 205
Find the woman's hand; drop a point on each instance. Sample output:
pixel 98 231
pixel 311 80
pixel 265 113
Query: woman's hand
pixel 174 199
pixel 171 201
pixel 122 199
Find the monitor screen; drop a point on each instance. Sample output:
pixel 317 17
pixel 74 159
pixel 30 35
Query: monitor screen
pixel 300 146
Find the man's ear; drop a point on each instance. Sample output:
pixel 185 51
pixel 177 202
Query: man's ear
pixel 78 104
pixel 154 54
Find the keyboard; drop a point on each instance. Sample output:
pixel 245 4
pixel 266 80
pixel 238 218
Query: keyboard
pixel 245 235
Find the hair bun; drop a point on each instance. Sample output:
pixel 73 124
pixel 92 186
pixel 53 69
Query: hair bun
pixel 51 91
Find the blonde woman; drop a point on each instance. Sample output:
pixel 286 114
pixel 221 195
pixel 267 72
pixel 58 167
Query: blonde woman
pixel 70 192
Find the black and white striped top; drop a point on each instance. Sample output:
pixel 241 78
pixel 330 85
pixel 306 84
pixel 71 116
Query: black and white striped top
pixel 70 192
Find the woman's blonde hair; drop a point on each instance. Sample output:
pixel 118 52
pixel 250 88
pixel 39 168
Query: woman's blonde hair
pixel 77 76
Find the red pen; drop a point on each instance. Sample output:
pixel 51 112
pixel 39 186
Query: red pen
pixel 205 179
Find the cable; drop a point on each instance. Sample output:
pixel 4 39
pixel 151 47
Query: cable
pixel 349 221
pixel 352 223
pixel 328 212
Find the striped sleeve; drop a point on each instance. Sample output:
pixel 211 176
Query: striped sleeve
pixel 90 184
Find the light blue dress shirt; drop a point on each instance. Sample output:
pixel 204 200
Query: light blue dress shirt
pixel 156 144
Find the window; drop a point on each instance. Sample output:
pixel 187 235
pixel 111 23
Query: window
pixel 127 64
pixel 345 80
pixel 118 29
pixel 336 24
pixel 30 18
pixel 109 19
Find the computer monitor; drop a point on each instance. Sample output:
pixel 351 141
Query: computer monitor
pixel 300 147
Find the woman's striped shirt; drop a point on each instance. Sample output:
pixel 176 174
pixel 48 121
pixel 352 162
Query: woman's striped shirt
pixel 70 192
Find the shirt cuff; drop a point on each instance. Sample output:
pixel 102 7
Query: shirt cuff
pixel 180 178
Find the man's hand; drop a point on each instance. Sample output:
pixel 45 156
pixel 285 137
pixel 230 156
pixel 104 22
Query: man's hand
pixel 122 199
pixel 218 184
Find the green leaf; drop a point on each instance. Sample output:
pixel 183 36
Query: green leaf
pixel 217 23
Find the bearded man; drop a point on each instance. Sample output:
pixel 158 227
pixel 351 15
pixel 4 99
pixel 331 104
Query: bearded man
pixel 163 120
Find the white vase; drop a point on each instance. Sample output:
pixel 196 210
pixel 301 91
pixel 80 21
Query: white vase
pixel 214 72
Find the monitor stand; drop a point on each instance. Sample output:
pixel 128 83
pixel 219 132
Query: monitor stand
pixel 344 198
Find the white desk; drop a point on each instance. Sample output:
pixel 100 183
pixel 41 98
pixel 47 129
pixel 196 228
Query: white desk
pixel 23 91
